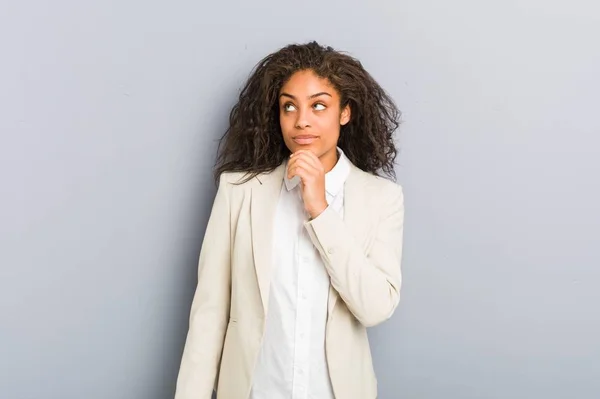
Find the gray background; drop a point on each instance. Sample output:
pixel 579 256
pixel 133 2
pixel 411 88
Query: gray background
pixel 109 113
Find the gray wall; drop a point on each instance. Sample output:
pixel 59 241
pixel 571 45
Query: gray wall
pixel 109 116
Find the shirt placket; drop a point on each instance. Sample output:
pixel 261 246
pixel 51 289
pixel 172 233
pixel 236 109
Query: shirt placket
pixel 303 319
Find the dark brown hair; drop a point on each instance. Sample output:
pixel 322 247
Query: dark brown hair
pixel 253 143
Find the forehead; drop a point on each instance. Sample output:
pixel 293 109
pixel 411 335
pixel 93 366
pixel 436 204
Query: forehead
pixel 306 83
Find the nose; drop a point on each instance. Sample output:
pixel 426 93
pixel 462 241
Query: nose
pixel 302 121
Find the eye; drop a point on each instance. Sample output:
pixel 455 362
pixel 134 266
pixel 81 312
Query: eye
pixel 288 107
pixel 319 106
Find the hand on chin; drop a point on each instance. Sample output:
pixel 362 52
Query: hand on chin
pixel 308 167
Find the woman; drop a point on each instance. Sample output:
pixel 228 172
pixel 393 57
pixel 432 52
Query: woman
pixel 303 246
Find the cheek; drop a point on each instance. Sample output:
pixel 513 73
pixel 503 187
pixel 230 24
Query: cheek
pixel 284 122
pixel 331 125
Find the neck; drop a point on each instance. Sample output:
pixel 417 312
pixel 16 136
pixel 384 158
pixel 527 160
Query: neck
pixel 329 159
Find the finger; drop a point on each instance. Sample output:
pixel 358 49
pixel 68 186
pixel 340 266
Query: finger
pixel 302 164
pixel 294 171
pixel 310 157
pixel 300 158
pixel 304 153
pixel 304 175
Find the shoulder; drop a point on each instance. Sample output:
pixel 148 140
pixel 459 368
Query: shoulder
pixel 382 196
pixel 233 178
pixel 245 180
pixel 379 187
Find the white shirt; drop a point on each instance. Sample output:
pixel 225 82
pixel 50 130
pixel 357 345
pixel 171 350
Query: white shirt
pixel 292 362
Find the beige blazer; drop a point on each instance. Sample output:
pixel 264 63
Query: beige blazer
pixel 362 254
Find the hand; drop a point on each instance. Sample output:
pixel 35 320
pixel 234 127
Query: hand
pixel 308 167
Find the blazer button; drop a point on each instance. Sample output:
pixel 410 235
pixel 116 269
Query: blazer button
pixel 330 250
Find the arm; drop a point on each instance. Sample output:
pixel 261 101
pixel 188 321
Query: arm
pixel 369 283
pixel 210 306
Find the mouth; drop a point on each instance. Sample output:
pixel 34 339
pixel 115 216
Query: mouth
pixel 304 139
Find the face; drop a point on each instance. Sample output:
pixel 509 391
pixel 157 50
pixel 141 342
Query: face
pixel 310 116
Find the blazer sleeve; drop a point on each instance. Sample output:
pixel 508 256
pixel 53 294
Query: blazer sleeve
pixel 210 306
pixel 369 283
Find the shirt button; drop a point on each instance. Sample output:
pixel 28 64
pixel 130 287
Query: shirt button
pixel 330 250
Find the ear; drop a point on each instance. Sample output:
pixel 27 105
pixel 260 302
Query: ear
pixel 345 115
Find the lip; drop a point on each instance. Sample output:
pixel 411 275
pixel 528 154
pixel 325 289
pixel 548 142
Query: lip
pixel 304 139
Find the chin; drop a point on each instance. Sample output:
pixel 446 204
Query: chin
pixel 312 148
pixel 293 147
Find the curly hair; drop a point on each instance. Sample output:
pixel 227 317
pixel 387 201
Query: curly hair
pixel 254 144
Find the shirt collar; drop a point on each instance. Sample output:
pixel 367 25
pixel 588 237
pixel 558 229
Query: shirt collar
pixel 334 179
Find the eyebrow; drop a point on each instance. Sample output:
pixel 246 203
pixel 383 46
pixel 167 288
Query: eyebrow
pixel 323 93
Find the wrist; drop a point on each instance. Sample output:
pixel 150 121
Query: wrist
pixel 316 211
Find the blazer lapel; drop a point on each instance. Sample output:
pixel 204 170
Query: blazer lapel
pixel 264 198
pixel 354 209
